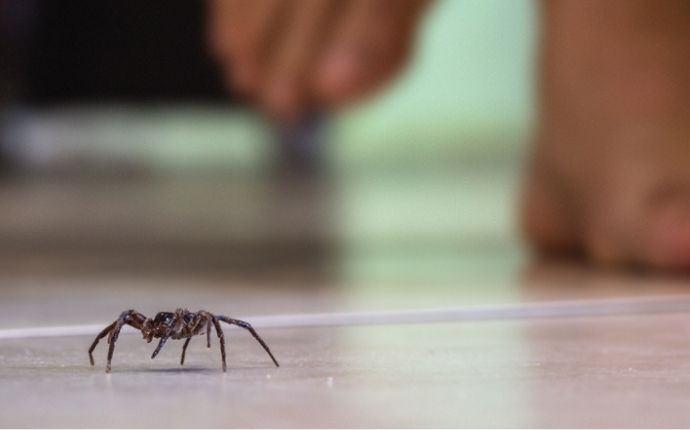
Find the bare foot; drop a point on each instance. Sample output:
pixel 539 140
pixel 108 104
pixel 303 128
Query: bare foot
pixel 610 174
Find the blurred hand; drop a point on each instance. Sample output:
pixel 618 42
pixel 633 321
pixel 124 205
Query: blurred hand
pixel 290 56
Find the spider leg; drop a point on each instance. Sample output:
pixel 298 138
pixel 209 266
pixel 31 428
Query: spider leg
pixel 130 317
pixel 100 336
pixel 208 333
pixel 173 327
pixel 112 339
pixel 159 347
pixel 245 325
pixel 221 336
pixel 184 350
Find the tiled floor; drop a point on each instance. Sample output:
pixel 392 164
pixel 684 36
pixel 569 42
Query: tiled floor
pixel 604 371
pixel 611 371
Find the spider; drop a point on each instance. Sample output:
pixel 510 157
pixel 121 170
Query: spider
pixel 180 324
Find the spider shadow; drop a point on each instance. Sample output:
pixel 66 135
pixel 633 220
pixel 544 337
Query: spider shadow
pixel 201 370
pixel 176 370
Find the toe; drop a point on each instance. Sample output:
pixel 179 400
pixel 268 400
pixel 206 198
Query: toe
pixel 545 219
pixel 641 231
pixel 669 237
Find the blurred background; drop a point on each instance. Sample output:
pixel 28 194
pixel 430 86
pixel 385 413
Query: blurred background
pixel 131 178
pixel 121 152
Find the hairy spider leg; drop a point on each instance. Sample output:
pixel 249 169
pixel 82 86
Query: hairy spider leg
pixel 131 317
pixel 221 337
pixel 112 339
pixel 167 334
pixel 208 332
pixel 100 336
pixel 245 325
pixel 159 347
pixel 184 350
pixel 192 331
pixel 125 318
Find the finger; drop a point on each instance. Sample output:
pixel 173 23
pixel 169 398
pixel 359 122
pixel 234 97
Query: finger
pixel 241 31
pixel 369 46
pixel 293 55
pixel 224 18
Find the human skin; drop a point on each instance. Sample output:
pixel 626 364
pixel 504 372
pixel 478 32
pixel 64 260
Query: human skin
pixel 297 55
pixel 610 172
pixel 609 176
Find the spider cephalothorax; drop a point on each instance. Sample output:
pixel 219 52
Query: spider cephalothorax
pixel 180 324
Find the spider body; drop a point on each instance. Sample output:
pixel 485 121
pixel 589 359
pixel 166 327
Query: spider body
pixel 181 324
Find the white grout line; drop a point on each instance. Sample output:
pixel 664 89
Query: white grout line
pixel 561 309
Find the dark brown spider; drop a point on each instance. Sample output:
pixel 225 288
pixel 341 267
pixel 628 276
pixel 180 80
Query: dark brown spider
pixel 180 324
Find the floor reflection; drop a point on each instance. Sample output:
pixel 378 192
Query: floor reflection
pixel 570 279
pixel 615 371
